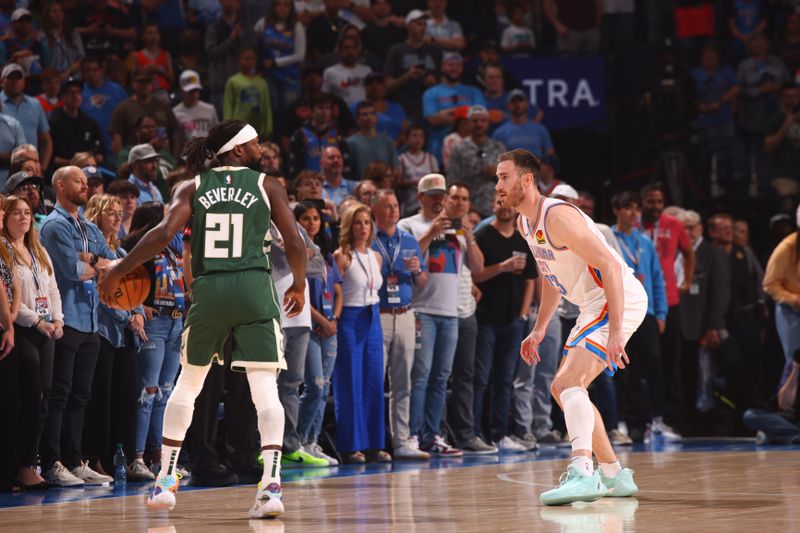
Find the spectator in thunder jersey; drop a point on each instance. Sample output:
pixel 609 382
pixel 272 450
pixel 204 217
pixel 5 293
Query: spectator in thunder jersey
pixel 312 138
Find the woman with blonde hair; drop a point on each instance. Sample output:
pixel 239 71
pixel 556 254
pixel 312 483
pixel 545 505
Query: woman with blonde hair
pixel 38 323
pixel 358 374
pixel 114 389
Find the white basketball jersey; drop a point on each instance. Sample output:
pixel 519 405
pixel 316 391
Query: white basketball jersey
pixel 576 280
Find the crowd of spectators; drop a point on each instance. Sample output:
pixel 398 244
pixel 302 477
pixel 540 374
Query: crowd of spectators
pixel 384 120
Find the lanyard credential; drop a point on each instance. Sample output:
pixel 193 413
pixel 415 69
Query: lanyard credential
pixel 385 253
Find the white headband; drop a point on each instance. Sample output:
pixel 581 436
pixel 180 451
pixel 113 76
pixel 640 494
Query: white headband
pixel 246 134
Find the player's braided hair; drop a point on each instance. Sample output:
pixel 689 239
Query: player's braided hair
pixel 199 150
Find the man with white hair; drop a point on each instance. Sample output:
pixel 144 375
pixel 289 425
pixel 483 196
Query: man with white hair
pixel 702 307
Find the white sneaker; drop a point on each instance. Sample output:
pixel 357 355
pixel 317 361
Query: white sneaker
pixel 410 453
pixel 163 493
pixel 662 430
pixel 315 450
pixel 507 444
pixel 527 441
pixel 269 502
pixel 89 476
pixel 138 471
pixel 59 476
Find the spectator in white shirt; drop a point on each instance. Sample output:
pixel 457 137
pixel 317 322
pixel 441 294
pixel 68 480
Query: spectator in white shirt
pixel 346 78
pixel 195 116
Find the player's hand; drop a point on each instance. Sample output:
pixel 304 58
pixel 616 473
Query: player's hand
pixel 529 349
pixel 615 350
pixel 109 279
pixel 440 224
pixel 294 300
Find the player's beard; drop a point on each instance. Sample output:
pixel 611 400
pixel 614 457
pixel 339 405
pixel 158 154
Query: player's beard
pixel 515 196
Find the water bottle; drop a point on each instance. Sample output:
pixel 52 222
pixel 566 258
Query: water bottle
pixel 120 467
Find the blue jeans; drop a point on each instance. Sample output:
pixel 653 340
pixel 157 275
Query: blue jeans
pixel 433 362
pixel 320 360
pixel 498 347
pixel 778 429
pixel 159 360
pixel 787 322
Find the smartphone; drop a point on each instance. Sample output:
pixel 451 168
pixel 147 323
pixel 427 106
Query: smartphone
pixel 316 203
pixel 455 223
pixel 161 132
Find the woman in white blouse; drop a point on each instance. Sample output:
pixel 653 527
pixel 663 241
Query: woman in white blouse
pixel 358 374
pixel 38 324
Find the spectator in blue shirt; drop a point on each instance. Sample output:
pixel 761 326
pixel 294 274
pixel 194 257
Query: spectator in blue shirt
pixel 335 187
pixel 143 162
pixel 440 102
pixel 716 89
pixel 78 250
pixel 11 136
pixel 100 97
pixel 27 111
pixel 392 118
pixel 639 253
pixel 522 132
pixel 402 270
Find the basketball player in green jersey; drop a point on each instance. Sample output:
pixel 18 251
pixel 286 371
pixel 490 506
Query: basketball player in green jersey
pixel 230 206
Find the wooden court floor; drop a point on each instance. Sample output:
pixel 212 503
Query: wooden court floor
pixel 680 491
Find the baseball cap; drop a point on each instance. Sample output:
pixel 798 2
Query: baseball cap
pixel 19 13
pixel 477 110
pixel 432 184
pixel 17 179
pixel 140 152
pixel 10 69
pixel 516 93
pixel 141 74
pixel 452 56
pixel 565 191
pixel 77 82
pixel 190 80
pixel 92 172
pixel 415 14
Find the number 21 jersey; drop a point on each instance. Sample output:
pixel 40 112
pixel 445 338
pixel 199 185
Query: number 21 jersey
pixel 231 222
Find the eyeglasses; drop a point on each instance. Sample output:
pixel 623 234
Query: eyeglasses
pixel 29 187
pixel 117 214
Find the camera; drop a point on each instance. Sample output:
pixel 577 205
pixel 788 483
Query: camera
pixel 455 223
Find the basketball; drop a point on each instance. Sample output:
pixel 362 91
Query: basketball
pixel 131 292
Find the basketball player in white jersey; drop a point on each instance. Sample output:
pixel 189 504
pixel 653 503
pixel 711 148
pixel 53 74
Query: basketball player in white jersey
pixel 578 264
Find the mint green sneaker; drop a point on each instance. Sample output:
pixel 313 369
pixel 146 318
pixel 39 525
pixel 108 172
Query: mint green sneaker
pixel 574 486
pixel 301 459
pixel 621 486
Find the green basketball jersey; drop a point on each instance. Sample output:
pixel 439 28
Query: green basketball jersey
pixel 230 227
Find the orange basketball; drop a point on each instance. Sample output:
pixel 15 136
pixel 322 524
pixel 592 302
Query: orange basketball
pixel 131 292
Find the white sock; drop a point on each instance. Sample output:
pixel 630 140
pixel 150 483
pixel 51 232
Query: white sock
pixel 611 469
pixel 579 417
pixel 264 391
pixel 585 464
pixel 169 458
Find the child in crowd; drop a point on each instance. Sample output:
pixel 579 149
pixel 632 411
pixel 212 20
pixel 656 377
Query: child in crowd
pixel 414 163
